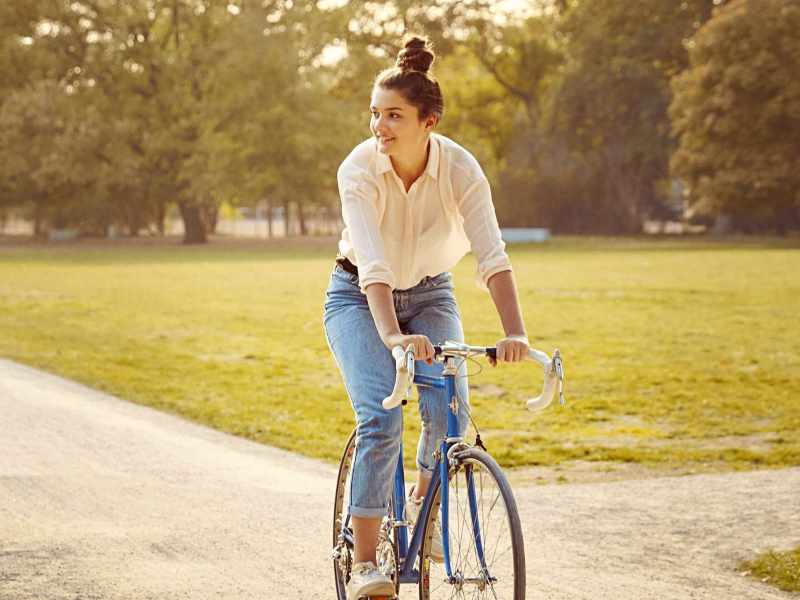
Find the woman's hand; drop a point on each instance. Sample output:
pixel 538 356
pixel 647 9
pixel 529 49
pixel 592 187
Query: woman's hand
pixel 512 348
pixel 423 349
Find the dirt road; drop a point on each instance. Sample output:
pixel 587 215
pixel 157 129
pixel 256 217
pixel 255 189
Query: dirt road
pixel 104 499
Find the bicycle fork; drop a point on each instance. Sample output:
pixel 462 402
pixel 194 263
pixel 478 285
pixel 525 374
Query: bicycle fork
pixel 449 459
pixel 444 467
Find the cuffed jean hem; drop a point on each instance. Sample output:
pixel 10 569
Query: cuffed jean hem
pixel 368 513
pixel 425 469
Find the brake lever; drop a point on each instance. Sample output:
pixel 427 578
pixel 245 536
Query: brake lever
pixel 559 367
pixel 410 365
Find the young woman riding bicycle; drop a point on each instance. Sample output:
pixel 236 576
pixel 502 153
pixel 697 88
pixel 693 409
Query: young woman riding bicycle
pixel 414 203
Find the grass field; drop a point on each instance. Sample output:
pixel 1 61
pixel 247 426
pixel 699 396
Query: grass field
pixel 679 354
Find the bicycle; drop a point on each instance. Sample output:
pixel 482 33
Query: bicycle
pixel 471 563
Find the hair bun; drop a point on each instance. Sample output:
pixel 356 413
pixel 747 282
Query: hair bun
pixel 416 55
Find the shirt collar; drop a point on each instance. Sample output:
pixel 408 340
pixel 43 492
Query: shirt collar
pixel 383 163
pixel 433 158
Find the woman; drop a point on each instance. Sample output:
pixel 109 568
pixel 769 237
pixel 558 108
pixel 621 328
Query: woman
pixel 413 203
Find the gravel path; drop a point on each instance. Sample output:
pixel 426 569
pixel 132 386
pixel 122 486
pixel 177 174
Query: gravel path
pixel 104 499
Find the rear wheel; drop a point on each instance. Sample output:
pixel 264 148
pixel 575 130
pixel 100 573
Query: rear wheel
pixel 386 558
pixel 342 529
pixel 490 564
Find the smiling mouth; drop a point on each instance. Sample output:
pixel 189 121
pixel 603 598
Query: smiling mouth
pixel 385 140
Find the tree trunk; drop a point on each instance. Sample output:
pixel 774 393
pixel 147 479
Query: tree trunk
pixel 302 219
pixel 194 226
pixel 269 219
pixel 161 216
pixel 210 215
pixel 134 225
pixel 287 218
pixel 38 218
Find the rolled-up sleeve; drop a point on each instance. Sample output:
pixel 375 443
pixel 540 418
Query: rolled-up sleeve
pixel 483 231
pixel 359 195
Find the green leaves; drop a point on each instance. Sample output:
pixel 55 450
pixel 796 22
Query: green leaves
pixel 112 112
pixel 736 115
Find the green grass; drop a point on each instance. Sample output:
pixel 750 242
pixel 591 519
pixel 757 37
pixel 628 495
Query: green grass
pixel 781 569
pixel 678 353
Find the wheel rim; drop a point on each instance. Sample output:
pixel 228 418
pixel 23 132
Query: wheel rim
pixel 341 518
pixel 498 541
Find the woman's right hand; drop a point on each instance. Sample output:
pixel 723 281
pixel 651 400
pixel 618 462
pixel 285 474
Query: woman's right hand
pixel 423 349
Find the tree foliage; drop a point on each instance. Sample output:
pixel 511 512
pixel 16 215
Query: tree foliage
pixel 117 113
pixel 736 112
pixel 610 108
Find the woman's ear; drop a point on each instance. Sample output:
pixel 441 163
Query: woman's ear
pixel 431 122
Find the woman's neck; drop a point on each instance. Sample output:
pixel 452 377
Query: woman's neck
pixel 409 168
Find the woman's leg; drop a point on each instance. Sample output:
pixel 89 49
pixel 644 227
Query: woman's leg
pixel 368 371
pixel 365 538
pixel 436 316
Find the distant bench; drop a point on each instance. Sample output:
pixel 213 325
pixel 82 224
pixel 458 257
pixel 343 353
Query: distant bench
pixel 523 235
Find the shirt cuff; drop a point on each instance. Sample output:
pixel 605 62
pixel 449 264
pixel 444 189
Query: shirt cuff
pixel 375 272
pixel 486 271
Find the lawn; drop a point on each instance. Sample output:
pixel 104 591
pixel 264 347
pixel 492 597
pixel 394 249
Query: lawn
pixel 679 354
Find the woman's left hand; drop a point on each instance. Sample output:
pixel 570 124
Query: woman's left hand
pixel 512 348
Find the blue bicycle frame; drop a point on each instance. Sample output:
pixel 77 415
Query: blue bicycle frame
pixel 408 574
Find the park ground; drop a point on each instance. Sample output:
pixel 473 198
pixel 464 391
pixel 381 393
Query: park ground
pixel 680 354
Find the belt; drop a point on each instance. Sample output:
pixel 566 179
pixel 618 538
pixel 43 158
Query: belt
pixel 345 263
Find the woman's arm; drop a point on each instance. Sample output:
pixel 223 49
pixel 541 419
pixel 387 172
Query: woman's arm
pixel 503 288
pixel 381 305
pixel 494 267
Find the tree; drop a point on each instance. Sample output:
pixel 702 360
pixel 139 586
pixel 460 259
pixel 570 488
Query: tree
pixel 35 124
pixel 611 105
pixel 84 58
pixel 736 112
pixel 269 130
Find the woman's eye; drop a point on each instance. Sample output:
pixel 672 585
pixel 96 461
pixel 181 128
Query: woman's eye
pixel 394 115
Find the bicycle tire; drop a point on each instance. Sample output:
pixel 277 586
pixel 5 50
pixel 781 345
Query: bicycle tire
pixel 341 568
pixel 466 566
pixel 342 575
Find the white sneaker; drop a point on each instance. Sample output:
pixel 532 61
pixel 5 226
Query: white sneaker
pixel 413 506
pixel 367 580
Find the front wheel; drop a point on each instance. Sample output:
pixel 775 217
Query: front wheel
pixel 487 554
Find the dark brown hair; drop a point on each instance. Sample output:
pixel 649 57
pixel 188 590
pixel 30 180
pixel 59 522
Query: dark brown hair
pixel 410 77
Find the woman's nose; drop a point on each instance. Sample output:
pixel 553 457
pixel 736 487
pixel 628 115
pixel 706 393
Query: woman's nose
pixel 380 124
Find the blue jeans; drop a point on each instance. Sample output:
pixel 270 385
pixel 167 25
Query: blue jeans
pixel 368 370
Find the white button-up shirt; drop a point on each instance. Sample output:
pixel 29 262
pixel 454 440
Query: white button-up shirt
pixel 397 237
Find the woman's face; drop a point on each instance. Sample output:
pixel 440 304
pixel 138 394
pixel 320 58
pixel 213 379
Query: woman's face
pixel 395 124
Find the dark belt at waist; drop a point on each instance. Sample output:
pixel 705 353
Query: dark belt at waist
pixel 345 263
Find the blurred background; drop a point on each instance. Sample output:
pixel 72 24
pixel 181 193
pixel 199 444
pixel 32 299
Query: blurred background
pixel 196 117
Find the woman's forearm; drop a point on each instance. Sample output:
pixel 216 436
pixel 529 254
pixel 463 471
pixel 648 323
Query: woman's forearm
pixel 381 305
pixel 503 289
